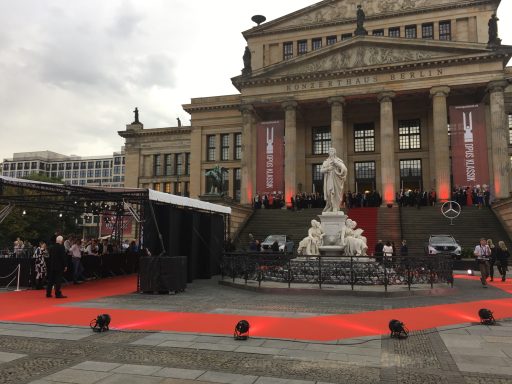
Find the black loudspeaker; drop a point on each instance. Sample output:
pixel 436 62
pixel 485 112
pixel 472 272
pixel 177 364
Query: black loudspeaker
pixel 163 274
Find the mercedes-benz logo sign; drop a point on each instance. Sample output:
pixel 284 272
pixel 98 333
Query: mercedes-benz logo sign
pixel 451 210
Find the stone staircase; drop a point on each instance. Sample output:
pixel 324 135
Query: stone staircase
pixel 264 222
pixel 467 229
pixel 389 227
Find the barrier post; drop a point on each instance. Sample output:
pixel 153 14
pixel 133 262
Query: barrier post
pixel 18 282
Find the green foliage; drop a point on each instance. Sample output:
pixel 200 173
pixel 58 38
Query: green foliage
pixel 38 223
pixel 467 253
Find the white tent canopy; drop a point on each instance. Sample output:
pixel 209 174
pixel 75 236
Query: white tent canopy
pixel 187 202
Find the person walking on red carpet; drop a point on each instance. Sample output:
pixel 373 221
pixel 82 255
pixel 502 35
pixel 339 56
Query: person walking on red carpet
pixel 502 256
pixel 57 265
pixel 483 255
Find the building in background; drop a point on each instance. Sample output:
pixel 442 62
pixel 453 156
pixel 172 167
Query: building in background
pixel 412 94
pixel 108 171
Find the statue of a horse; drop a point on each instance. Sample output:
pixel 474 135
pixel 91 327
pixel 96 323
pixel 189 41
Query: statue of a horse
pixel 217 179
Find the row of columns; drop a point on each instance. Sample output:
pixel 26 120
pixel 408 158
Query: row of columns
pixel 499 144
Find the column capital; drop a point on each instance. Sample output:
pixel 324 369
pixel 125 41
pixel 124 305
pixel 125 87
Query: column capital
pixel 336 100
pixel 246 108
pixel 289 105
pixel 385 96
pixel 440 91
pixel 497 86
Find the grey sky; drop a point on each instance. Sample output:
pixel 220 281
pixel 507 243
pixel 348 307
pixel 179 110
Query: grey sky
pixel 72 71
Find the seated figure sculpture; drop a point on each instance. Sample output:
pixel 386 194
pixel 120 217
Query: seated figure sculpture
pixel 309 246
pixel 355 243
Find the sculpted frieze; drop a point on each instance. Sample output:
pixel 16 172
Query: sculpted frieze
pixel 346 9
pixel 360 57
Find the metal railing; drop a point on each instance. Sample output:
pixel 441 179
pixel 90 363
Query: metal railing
pixel 352 271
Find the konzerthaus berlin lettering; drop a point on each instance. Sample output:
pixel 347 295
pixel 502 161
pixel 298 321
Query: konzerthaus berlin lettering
pixel 411 93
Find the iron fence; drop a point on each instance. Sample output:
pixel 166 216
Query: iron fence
pixel 290 269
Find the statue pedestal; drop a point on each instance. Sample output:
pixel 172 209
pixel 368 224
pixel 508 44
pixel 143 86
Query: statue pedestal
pixel 333 225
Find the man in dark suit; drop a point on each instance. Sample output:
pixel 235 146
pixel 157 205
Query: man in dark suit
pixel 57 266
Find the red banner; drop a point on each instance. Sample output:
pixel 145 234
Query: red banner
pixel 470 165
pixel 270 157
pixel 108 223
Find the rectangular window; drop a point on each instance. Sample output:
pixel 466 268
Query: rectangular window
pixel 167 165
pixel 445 30
pixel 76 165
pixel 83 165
pixel 364 137
pixel 346 36
pixel 178 162
pixel 83 174
pixel 321 140
pixel 68 175
pixel 302 47
pixel 156 186
pixel 106 173
pixel 331 40
pixel 287 50
pixel 427 31
pixel 33 165
pixel 13 166
pixel 98 164
pixel 97 173
pixel 378 32
pixel 106 164
pixel 364 170
pixel 224 147
pixel 117 160
pixel 75 174
pixel 317 175
pixel 210 148
pixel 69 166
pixel 394 32
pixel 316 43
pixel 90 173
pixel 411 32
pixel 237 183
pixel 61 166
pixel 157 165
pixel 20 166
pixel 117 170
pixel 510 129
pixel 238 146
pixel 167 187
pixel 90 164
pixel 409 134
pixel 187 163
pixel 410 168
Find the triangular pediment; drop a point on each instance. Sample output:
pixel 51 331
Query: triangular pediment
pixel 332 11
pixel 367 52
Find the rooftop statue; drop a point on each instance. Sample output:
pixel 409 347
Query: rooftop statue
pixel 360 30
pixel 494 40
pixel 247 62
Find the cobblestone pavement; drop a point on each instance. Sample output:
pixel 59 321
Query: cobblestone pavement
pixel 209 296
pixel 465 353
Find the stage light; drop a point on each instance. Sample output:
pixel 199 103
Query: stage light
pixel 398 329
pixel 100 323
pixel 470 272
pixel 24 213
pixel 486 317
pixel 60 214
pixel 242 330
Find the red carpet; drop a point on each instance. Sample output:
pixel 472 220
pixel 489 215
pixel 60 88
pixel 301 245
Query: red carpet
pixel 33 307
pixel 366 219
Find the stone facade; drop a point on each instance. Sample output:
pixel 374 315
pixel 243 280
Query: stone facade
pixel 307 69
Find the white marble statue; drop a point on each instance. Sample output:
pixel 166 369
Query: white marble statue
pixel 335 174
pixel 309 246
pixel 355 242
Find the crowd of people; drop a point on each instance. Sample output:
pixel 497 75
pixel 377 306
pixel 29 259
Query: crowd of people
pixel 472 196
pixel 416 198
pixel 488 256
pixel 305 200
pixel 52 259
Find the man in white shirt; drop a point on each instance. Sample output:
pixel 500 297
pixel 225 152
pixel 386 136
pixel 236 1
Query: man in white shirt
pixel 483 255
pixel 76 258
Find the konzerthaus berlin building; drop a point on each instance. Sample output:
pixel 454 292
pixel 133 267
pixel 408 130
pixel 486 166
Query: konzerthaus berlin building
pixel 411 94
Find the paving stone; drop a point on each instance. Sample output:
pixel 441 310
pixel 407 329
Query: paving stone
pixel 178 373
pixel 274 380
pixel 228 378
pixel 118 378
pixel 176 344
pixel 77 376
pixel 96 366
pixel 214 347
pixel 284 344
pixel 483 359
pixel 5 357
pixel 144 370
pixel 310 355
